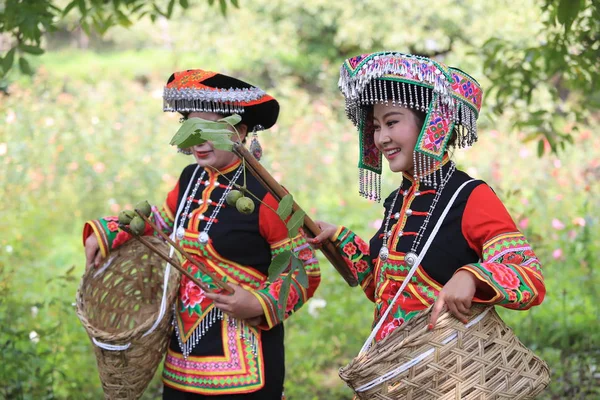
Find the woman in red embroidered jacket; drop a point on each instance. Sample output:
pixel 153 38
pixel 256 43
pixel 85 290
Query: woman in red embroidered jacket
pixel 410 109
pixel 229 347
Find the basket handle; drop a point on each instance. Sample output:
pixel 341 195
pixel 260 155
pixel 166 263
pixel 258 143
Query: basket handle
pixel 369 340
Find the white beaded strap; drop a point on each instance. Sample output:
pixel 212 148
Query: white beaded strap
pixel 369 340
pixel 163 303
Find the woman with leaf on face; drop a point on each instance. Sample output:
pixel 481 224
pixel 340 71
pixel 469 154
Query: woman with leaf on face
pixel 228 346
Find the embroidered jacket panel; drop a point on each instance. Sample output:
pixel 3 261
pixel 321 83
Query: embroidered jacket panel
pixel 477 234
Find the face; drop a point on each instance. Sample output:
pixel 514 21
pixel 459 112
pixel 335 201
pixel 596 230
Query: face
pixel 206 154
pixel 396 132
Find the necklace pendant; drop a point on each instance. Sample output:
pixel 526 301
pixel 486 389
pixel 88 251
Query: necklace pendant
pixel 384 252
pixel 203 237
pixel 410 258
pixel 180 232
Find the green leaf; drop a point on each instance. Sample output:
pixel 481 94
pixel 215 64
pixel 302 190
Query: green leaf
pixel 285 207
pixel 284 293
pixel 170 8
pixel 211 2
pixel 301 276
pixel 224 146
pixel 36 50
pixel 9 59
pixel 540 148
pixel 69 7
pixel 184 3
pixel 278 264
pixel 24 66
pixel 82 8
pixel 232 120
pixel 223 4
pixel 235 3
pixel 188 128
pixel 192 140
pixel 295 222
pixel 567 13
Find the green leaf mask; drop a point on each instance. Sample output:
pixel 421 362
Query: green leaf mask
pixel 195 131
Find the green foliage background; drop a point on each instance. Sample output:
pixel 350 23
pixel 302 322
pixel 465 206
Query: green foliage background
pixel 85 136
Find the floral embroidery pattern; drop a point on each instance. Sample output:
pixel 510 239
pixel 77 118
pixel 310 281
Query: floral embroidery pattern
pixel 505 276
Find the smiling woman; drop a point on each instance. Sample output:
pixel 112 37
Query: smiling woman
pixel 446 240
pixel 223 346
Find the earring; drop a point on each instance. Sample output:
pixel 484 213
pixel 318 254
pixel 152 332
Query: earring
pixel 185 152
pixel 255 147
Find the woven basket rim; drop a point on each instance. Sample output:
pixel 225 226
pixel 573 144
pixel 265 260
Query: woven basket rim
pixel 358 372
pixel 122 337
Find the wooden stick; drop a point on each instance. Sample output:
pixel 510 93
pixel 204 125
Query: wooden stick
pixel 184 253
pixel 263 176
pixel 168 259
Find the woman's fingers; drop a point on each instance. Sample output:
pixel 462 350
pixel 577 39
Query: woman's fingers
pixel 453 308
pixel 98 258
pixel 438 307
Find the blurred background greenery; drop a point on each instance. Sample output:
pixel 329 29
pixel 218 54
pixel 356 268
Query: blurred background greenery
pixel 84 136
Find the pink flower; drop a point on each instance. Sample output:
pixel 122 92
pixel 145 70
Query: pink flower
pixel 579 221
pixel 572 234
pixel 376 224
pixel 557 163
pixel 557 254
pixel 524 223
pixel 557 224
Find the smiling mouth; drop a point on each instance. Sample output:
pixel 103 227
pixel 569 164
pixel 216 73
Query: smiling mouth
pixel 391 153
pixel 203 154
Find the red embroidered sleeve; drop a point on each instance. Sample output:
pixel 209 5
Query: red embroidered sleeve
pixel 508 268
pixel 275 232
pixel 110 237
pixel 357 255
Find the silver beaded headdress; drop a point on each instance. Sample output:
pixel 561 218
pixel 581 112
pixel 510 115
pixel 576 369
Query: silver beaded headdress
pixel 450 98
pixel 205 91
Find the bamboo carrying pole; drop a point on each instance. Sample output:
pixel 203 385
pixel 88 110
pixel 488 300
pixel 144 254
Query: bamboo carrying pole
pixel 265 178
pixel 165 257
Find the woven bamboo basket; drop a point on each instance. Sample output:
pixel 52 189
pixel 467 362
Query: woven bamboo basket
pixel 118 303
pixel 480 360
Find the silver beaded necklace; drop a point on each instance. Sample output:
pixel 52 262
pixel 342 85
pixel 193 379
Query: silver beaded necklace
pixel 411 257
pixel 203 236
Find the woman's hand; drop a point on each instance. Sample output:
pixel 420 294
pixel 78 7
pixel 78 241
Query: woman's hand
pixel 457 296
pixel 327 232
pixel 240 305
pixel 93 255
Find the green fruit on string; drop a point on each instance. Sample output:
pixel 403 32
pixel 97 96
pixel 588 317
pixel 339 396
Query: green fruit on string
pixel 244 205
pixel 232 197
pixel 137 226
pixel 125 216
pixel 144 208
